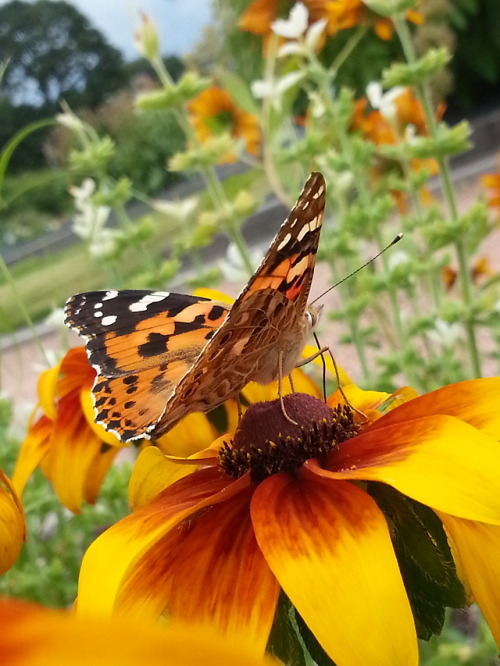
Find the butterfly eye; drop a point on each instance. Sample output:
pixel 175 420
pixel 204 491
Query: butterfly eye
pixel 311 319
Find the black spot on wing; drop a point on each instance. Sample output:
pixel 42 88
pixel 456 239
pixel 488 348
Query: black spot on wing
pixel 216 312
pixel 157 344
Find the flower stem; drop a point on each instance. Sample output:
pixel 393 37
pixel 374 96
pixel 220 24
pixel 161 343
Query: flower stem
pixel 449 195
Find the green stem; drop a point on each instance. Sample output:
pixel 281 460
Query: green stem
pixel 213 185
pixel 12 284
pixel 449 195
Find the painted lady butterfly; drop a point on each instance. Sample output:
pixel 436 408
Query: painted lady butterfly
pixel 160 356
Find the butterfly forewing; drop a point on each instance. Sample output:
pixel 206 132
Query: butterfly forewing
pixel 266 327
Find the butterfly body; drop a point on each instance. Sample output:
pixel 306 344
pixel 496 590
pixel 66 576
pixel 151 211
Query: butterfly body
pixel 160 356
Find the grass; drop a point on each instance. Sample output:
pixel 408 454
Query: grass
pixel 45 282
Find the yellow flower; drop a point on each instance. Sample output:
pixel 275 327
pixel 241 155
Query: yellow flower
pixel 214 111
pixel 492 181
pixel 333 510
pixel 35 636
pixel 12 524
pixel 72 451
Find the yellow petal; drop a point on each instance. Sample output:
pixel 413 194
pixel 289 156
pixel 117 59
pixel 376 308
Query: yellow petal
pixel 193 433
pixel 152 473
pixel 213 295
pixel 439 461
pixel 110 556
pixel 32 451
pixel 74 450
pixel 12 525
pixel 474 401
pixel 210 572
pixel 47 382
pixel 478 547
pixel 33 636
pixel 329 546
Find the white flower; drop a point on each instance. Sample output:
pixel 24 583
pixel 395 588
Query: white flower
pixel 446 335
pixel 411 135
pixel 55 319
pixel 314 33
pixel 384 102
pixel 71 121
pixel 275 88
pixel 83 193
pixel 296 24
pixel 181 210
pixel 89 222
pixel 103 246
pixel 397 258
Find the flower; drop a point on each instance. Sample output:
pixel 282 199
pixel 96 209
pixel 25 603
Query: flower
pixel 479 270
pixel 146 38
pixel 35 636
pixel 492 181
pixel 214 111
pixel 332 509
pixel 12 524
pixel 72 451
pixel 260 16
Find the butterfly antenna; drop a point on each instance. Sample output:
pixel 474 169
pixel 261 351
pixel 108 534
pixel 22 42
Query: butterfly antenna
pixel 347 277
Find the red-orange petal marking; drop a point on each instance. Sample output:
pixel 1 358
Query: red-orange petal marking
pixel 113 555
pixel 329 546
pixel 207 571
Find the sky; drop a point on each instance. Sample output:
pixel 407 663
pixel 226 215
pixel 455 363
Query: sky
pixel 179 22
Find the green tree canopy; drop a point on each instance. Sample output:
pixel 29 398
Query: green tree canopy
pixel 53 52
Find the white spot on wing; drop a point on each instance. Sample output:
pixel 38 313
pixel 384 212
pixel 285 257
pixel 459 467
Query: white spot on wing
pixel 109 320
pixel 142 304
pixel 303 232
pixel 97 306
pixel 97 313
pixel 284 242
pixel 109 295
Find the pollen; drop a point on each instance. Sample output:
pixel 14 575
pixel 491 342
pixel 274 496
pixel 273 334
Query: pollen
pixel 267 443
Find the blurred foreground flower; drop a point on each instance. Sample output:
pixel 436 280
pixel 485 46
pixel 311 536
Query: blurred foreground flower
pixel 215 112
pixel 35 636
pixel 72 451
pixel 305 508
pixel 12 524
pixel 492 182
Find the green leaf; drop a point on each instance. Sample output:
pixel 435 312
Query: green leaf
pixel 9 149
pixel 238 89
pixel 424 558
pixel 284 642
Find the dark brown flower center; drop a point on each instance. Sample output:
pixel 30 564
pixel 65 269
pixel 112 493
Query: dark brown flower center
pixel 266 442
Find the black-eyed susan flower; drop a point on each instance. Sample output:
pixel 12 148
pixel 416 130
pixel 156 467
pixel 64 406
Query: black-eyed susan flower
pixel 12 524
pixel 341 509
pixel 72 451
pixel 214 112
pixel 35 636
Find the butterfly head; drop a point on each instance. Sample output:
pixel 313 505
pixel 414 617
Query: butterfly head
pixel 313 314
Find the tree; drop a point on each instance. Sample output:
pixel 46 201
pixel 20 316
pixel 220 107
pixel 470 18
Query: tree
pixel 53 52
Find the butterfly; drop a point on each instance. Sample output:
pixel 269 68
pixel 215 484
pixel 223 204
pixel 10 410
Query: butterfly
pixel 159 355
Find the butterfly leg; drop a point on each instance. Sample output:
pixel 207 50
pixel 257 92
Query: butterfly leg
pixel 240 408
pixel 292 385
pixel 320 352
pixel 280 390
